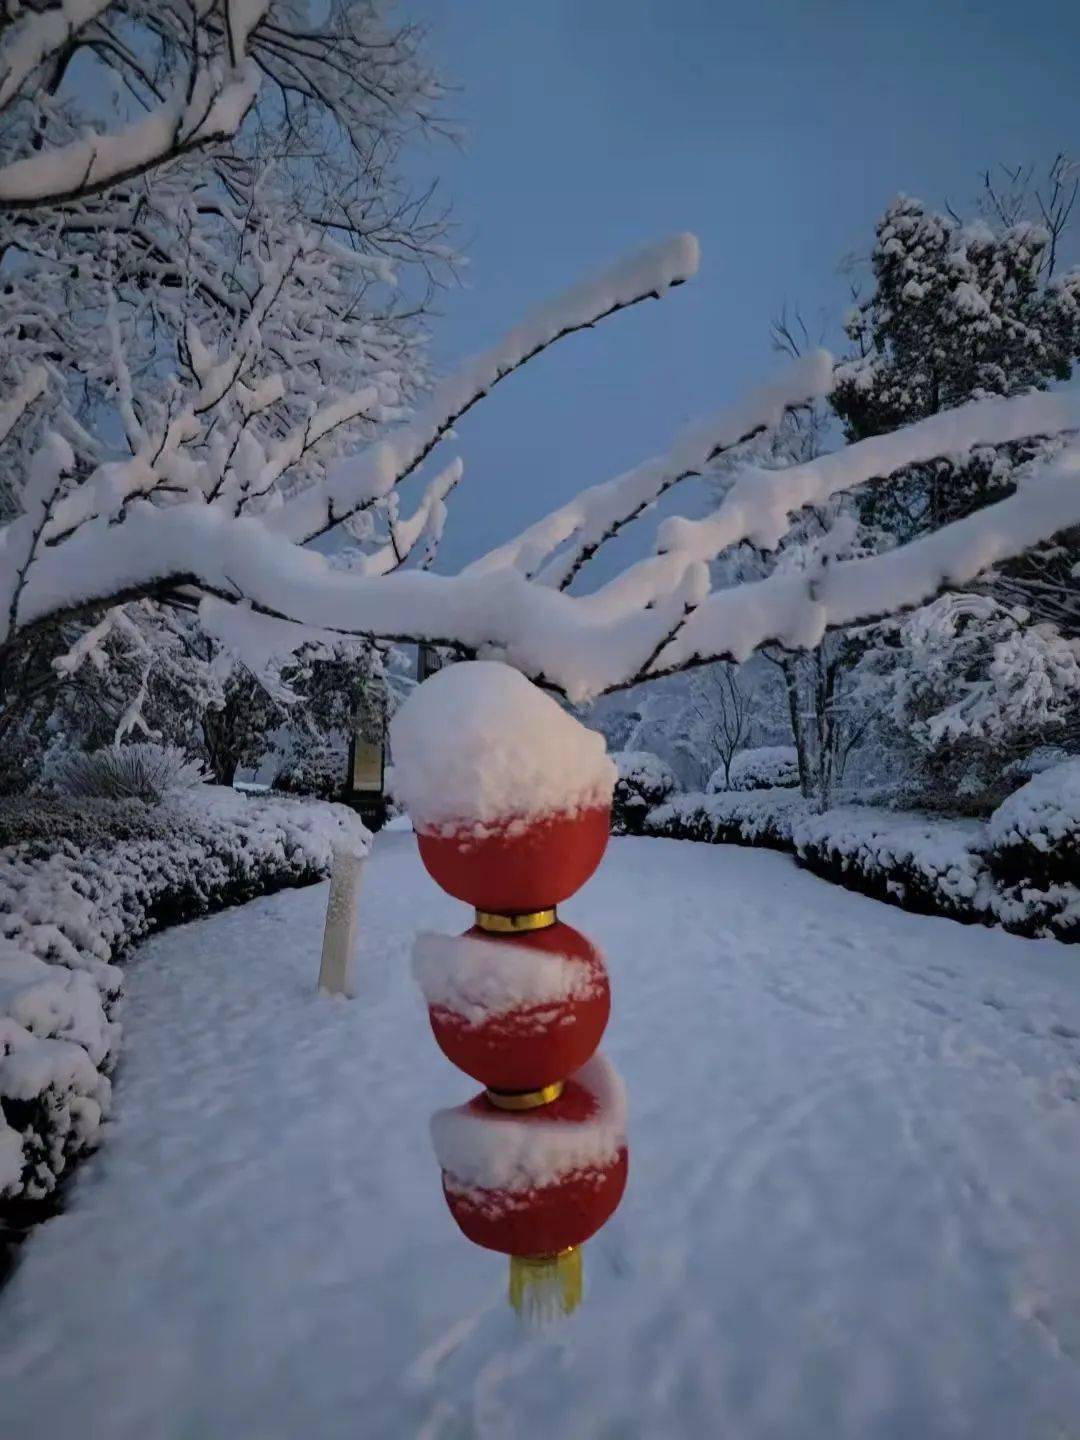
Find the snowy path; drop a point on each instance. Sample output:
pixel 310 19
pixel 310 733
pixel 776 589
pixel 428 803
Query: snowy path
pixel 853 1211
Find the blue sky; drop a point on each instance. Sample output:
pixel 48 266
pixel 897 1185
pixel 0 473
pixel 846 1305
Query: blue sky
pixel 776 131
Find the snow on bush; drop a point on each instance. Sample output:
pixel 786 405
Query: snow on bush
pixel 478 743
pixel 73 901
pixel 1021 869
pixel 317 770
pixel 756 817
pixel 966 686
pixel 1034 853
pixel 768 767
pixel 928 865
pixel 45 820
pixel 139 771
pixel 931 866
pixel 644 782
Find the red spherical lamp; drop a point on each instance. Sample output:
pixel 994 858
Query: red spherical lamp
pixel 538 1184
pixel 517 866
pixel 517 1015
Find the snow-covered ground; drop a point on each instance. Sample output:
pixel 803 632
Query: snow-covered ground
pixel 853 1208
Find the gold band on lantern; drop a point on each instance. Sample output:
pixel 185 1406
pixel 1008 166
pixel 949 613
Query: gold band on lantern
pixel 525 1099
pixel 496 924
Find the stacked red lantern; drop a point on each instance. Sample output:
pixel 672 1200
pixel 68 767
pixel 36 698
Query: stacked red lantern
pixel 521 1000
pixel 537 1184
pixel 518 1015
pixel 518 867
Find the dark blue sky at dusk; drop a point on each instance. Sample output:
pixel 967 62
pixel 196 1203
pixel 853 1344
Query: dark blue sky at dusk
pixel 776 131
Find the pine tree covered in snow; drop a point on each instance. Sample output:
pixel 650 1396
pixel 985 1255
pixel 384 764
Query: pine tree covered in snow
pixel 958 312
pixel 961 312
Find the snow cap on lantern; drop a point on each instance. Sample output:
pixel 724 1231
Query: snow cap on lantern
pixel 510 796
pixel 536 1185
pixel 520 1014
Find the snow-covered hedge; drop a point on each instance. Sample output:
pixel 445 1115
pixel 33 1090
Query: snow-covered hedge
pixel 1021 870
pixel 644 782
pixel 928 865
pixel 768 767
pixel 758 817
pixel 931 866
pixel 1034 854
pixel 80 881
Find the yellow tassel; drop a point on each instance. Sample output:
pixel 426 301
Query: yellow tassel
pixel 545 1288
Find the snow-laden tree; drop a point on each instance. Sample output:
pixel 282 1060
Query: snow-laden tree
pixel 329 693
pixel 185 178
pixel 695 722
pixel 966 685
pixel 181 181
pixel 160 524
pixel 959 312
pixel 956 313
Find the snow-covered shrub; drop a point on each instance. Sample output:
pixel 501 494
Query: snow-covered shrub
pixel 922 863
pixel 46 820
pixel 966 686
pixel 318 770
pixel 72 904
pixel 1022 870
pixel 1044 757
pixel 139 771
pixel 1034 853
pixel 758 817
pixel 769 767
pixel 644 782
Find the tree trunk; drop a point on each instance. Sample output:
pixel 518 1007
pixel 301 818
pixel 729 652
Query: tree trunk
pixel 790 666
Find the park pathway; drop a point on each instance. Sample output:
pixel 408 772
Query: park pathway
pixel 853 1209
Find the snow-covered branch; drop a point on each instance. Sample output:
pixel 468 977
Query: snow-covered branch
pixel 355 482
pixel 601 512
pixel 215 111
pixel 797 610
pixel 15 407
pixel 37 36
pixel 583 645
pixel 205 106
pixel 175 521
pixel 424 524
pixel 760 504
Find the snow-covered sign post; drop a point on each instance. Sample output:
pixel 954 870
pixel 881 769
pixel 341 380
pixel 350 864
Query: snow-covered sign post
pixel 510 798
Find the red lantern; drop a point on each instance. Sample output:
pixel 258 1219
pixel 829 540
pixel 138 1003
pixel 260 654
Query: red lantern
pixel 517 1015
pixel 518 866
pixel 536 1185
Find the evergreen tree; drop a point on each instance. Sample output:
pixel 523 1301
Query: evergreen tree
pixel 958 312
pixel 961 312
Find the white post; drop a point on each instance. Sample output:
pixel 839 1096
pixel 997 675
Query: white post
pixel 337 974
